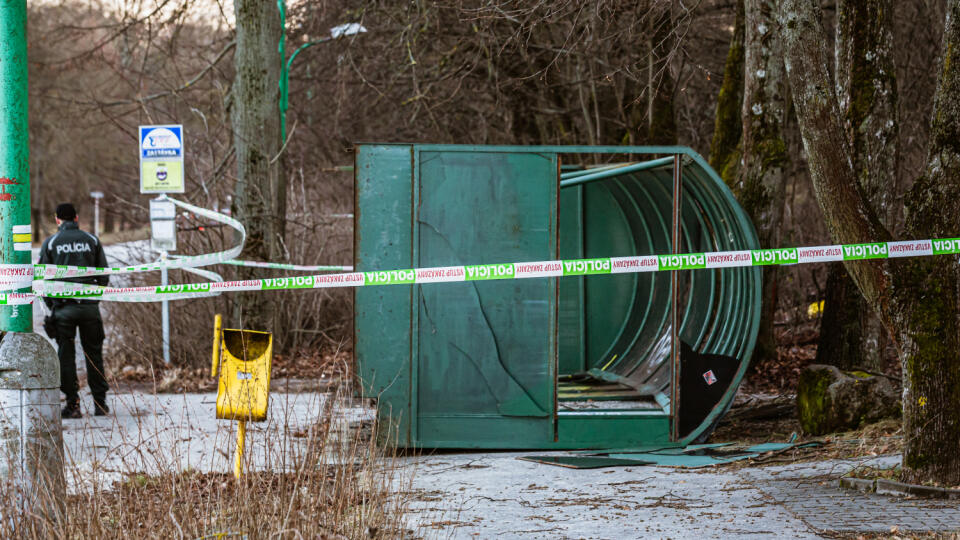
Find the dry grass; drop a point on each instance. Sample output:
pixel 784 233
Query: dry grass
pixel 328 481
pixel 316 369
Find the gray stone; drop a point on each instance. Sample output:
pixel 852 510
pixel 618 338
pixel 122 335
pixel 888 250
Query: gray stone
pixel 892 487
pixel 830 400
pixel 859 484
pixel 28 361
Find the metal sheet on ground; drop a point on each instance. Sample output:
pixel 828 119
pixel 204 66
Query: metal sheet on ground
pixel 686 461
pixel 584 462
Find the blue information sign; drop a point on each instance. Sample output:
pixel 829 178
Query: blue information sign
pixel 161 159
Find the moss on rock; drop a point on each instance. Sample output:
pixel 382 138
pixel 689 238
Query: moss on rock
pixel 830 400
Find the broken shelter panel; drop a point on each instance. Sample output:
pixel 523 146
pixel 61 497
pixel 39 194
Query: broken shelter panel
pixel 486 348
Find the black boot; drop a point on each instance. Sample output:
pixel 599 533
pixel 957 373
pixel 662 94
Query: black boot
pixel 72 410
pixel 100 406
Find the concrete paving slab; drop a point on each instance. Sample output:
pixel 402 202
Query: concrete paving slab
pixel 811 493
pixel 486 495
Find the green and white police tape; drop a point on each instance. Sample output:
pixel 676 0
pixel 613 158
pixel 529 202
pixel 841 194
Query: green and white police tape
pixel 39 277
pixel 513 270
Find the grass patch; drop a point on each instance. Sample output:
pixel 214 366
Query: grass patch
pixel 326 479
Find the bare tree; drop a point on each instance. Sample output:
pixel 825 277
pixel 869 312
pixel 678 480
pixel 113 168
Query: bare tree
pixel 727 126
pixel 660 113
pixel 917 298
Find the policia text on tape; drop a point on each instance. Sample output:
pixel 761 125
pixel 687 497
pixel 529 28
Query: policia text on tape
pixel 512 270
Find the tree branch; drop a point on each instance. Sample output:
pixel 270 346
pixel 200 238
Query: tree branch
pixel 186 85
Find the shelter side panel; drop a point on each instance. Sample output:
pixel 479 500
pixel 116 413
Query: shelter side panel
pixel 487 348
pixel 382 315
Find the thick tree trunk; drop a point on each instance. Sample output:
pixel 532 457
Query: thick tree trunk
pixel 917 298
pixel 759 185
pixel 260 195
pixel 727 127
pixel 926 300
pixel 849 217
pixel 851 334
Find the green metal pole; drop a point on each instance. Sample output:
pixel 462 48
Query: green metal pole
pixel 284 71
pixel 14 155
pixel 285 83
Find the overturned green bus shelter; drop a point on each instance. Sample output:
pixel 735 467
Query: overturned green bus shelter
pixel 598 361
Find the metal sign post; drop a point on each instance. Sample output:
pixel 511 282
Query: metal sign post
pixel 165 314
pixel 31 442
pixel 161 171
pixel 15 229
pixel 163 238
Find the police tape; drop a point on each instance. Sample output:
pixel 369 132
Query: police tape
pixel 294 267
pixel 53 271
pixel 37 276
pixel 514 270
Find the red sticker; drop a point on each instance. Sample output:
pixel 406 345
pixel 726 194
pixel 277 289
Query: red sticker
pixel 4 181
pixel 709 377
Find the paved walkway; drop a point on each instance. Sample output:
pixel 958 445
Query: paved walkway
pixel 488 495
pixel 810 493
pixel 496 495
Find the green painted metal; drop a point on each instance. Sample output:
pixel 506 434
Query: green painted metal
pixel 285 72
pixel 627 316
pixel 284 101
pixel 14 151
pixel 473 361
pixel 477 364
pixel 383 221
pixel 592 175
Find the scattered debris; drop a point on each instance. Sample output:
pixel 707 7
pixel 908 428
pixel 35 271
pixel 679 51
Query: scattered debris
pixel 690 457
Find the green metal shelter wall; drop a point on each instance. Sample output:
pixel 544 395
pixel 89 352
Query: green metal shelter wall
pixel 485 350
pixel 461 365
pixel 624 317
pixel 383 239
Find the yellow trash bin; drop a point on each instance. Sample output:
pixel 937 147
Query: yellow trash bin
pixel 244 358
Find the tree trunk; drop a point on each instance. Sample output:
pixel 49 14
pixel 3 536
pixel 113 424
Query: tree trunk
pixel 926 300
pixel 260 194
pixel 917 298
pixel 851 334
pixel 760 185
pixel 727 126
pixel 841 333
pixel 661 119
pixel 109 223
pixel 849 218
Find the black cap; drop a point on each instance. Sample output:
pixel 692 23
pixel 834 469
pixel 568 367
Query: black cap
pixel 66 212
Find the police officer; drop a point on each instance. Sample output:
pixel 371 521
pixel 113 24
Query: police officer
pixel 74 247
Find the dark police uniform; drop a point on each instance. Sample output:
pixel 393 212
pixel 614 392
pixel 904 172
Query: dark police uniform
pixel 73 247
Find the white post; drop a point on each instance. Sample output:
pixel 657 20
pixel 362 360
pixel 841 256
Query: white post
pixel 163 238
pixel 165 313
pixel 96 195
